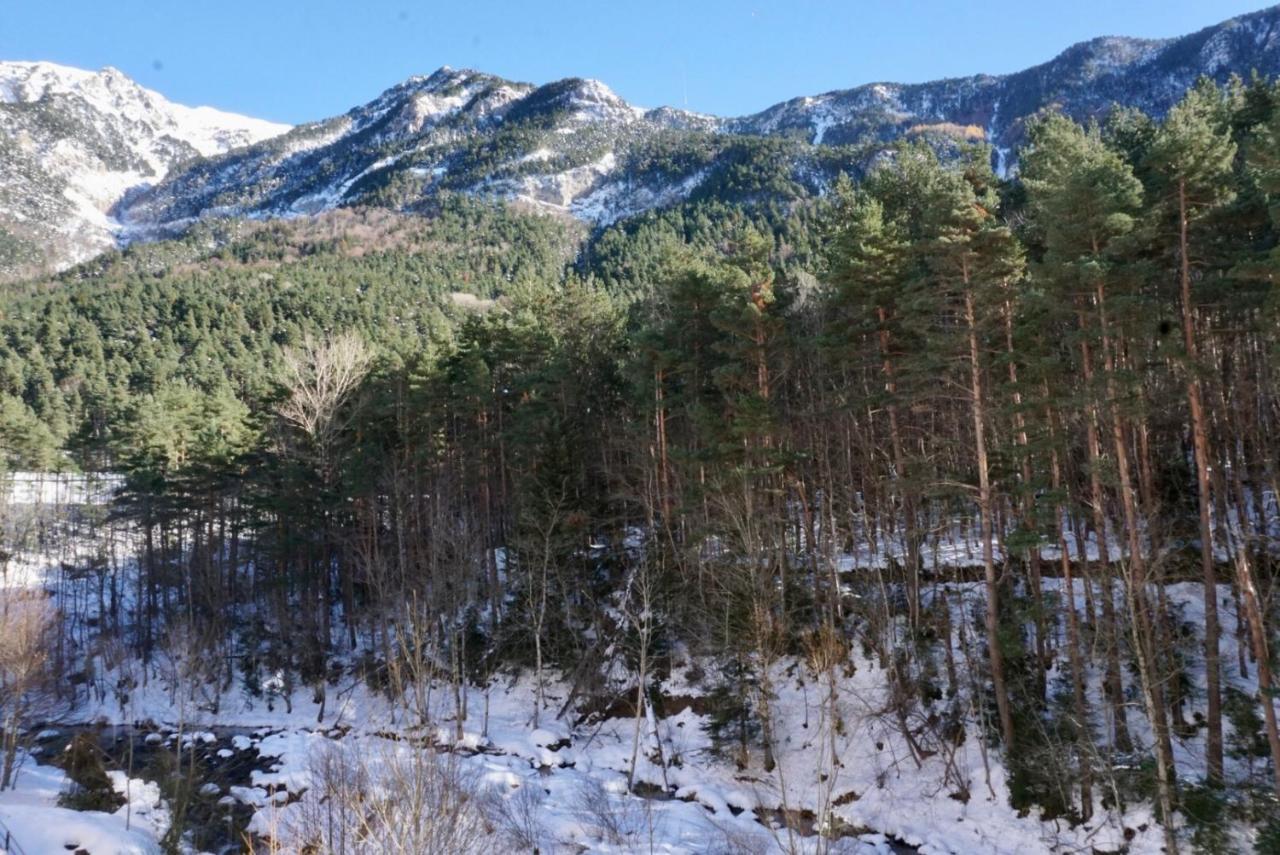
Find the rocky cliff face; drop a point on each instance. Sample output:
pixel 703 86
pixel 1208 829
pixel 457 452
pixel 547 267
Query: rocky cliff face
pixel 91 159
pixel 73 142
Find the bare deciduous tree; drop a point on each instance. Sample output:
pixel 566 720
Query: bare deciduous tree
pixel 321 376
pixel 28 624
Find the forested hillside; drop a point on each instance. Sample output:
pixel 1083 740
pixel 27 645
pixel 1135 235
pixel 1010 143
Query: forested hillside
pixel 1009 444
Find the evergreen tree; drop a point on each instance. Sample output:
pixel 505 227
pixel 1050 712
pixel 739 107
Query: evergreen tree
pixel 1191 163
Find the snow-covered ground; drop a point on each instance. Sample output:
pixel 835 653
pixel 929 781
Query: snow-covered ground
pixel 842 763
pixel 32 823
pixel 50 490
pixel 696 801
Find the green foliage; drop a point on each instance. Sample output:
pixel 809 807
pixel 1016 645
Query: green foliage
pixel 1268 839
pixel 26 442
pixel 1247 737
pixel 1206 810
pixel 90 787
pixel 120 329
pixel 635 256
pixel 730 723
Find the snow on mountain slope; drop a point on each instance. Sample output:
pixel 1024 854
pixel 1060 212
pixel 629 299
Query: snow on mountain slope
pixel 88 159
pixel 1084 81
pixel 550 146
pixel 73 142
pixel 574 147
pixel 111 93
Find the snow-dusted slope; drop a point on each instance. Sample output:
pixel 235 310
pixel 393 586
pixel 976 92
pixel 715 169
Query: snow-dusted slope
pixel 1086 80
pixel 114 96
pixel 73 142
pixel 563 146
pixel 87 159
pixel 575 147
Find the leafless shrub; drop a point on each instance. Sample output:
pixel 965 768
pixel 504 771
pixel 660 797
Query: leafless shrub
pixel 394 799
pixel 18 527
pixel 331 814
pixel 28 626
pixel 193 673
pixel 729 839
pixel 517 817
pixel 618 819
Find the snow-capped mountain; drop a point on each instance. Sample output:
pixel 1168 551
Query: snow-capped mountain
pixel 567 146
pixel 1085 80
pixel 92 158
pixel 73 142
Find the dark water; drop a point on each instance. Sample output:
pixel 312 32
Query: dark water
pixel 194 779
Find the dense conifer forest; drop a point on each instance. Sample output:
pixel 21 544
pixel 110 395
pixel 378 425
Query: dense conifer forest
pixel 986 430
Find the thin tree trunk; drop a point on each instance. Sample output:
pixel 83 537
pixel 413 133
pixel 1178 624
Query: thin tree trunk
pixel 1123 742
pixel 984 510
pixel 1139 605
pixel 1200 442
pixel 1079 702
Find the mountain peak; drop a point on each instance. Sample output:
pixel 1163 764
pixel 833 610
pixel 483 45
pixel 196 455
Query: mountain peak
pixel 573 146
pixel 25 82
pixel 443 77
pixel 80 140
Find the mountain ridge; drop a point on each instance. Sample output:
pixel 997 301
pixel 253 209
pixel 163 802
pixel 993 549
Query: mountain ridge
pixel 74 142
pixel 573 147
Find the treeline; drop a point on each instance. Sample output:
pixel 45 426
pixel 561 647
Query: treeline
pixel 1073 371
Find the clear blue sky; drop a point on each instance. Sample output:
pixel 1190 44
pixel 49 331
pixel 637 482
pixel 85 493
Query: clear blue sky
pixel 308 59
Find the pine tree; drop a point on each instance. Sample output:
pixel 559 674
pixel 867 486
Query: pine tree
pixel 1191 162
pixel 870 267
pixel 971 256
pixel 1084 200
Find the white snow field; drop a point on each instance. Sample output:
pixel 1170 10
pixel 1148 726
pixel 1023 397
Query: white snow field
pixel 31 823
